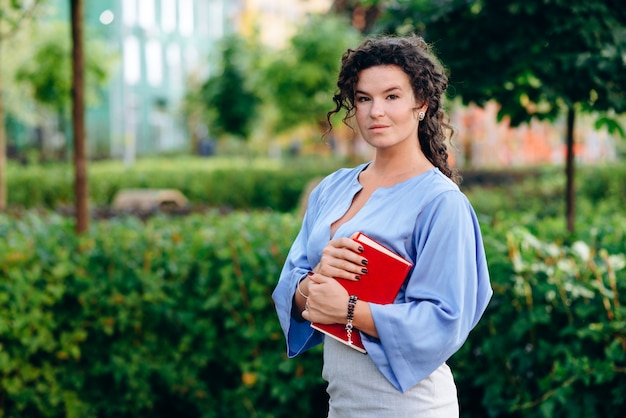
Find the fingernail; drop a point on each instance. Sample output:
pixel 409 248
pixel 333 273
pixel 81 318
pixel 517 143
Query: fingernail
pixel 364 262
pixel 357 277
pixel 360 249
pixel 364 271
pixel 310 273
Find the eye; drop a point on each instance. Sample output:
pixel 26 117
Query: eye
pixel 392 97
pixel 362 99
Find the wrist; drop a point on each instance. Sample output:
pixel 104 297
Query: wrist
pixel 304 292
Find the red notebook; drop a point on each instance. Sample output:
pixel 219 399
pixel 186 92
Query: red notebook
pixel 386 272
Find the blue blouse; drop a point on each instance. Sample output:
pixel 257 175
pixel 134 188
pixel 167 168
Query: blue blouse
pixel 425 219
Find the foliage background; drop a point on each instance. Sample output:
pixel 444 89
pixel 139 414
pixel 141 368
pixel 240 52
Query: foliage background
pixel 244 183
pixel 172 316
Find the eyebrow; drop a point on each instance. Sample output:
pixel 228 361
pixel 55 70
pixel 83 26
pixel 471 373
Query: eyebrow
pixel 390 89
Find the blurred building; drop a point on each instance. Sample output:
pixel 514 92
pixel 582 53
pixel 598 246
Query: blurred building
pixel 161 45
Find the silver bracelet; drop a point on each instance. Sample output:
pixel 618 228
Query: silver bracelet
pixel 300 291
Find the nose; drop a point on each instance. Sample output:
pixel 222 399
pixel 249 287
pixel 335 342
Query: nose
pixel 377 109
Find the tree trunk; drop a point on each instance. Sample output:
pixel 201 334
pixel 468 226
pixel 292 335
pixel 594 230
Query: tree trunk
pixel 78 118
pixel 3 146
pixel 569 171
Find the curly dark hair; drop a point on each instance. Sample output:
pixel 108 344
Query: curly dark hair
pixel 428 79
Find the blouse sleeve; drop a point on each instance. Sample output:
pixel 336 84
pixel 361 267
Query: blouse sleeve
pixel 299 334
pixel 446 295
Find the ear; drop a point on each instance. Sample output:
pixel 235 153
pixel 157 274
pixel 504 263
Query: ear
pixel 417 110
pixel 420 113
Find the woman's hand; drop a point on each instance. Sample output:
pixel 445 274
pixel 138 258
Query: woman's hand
pixel 327 300
pixel 341 258
pixel 327 303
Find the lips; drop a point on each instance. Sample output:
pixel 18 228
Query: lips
pixel 377 127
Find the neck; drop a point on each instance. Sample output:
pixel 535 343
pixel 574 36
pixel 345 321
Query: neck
pixel 391 164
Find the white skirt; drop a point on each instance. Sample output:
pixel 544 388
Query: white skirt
pixel 358 389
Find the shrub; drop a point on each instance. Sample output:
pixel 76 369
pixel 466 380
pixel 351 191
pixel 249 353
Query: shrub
pixel 173 317
pixel 167 318
pixel 553 340
pixel 262 184
pixel 233 184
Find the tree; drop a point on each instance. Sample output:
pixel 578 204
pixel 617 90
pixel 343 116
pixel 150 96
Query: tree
pixel 12 15
pixel 536 58
pixel 362 13
pixel 48 72
pixel 81 192
pixel 228 96
pixel 302 80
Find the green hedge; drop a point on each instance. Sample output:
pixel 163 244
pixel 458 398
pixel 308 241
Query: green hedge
pixel 553 340
pixel 168 318
pixel 225 183
pixel 173 317
pixel 261 184
pixel 541 193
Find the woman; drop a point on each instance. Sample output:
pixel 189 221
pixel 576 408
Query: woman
pixel 406 198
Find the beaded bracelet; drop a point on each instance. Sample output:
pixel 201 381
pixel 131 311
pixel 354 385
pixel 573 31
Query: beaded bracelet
pixel 349 326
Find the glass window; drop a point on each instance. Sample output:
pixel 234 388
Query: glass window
pixel 168 15
pixel 203 10
pixel 132 65
pixel 146 14
pixel 154 63
pixel 173 64
pixel 216 19
pixel 185 16
pixel 129 12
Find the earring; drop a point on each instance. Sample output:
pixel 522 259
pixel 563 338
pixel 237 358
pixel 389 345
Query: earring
pixel 421 115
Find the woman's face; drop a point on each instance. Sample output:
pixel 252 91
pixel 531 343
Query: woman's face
pixel 386 109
